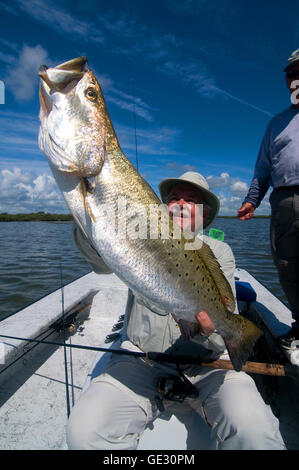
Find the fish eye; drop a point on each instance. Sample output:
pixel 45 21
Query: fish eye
pixel 91 94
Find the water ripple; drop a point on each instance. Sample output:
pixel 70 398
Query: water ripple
pixel 31 254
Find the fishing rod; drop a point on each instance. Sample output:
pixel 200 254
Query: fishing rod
pixel 66 374
pixel 262 368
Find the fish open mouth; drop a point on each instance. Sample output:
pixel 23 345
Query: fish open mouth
pixel 58 78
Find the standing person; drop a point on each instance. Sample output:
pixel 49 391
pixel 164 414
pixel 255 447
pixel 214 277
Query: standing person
pixel 278 165
pixel 114 411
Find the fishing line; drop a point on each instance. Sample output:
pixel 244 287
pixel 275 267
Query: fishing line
pixel 64 349
pixel 72 374
pixel 134 118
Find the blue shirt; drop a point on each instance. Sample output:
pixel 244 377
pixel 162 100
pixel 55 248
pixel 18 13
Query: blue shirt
pixel 278 159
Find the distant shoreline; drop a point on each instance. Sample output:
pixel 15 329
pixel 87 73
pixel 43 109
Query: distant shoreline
pixel 35 217
pixel 47 217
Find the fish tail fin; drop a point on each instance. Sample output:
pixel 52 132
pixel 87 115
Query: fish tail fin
pixel 240 345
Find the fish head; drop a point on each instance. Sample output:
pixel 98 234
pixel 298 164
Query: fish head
pixel 73 118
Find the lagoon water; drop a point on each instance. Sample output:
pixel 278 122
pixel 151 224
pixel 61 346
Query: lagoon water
pixel 36 258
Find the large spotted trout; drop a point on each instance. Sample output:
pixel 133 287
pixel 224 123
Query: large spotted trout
pixel 103 189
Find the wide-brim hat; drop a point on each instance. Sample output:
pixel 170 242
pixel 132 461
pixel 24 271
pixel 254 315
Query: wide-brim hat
pixel 200 183
pixel 294 57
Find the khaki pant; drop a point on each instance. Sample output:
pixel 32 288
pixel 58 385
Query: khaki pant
pixel 285 244
pixel 118 405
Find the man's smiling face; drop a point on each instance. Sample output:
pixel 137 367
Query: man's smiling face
pixel 183 203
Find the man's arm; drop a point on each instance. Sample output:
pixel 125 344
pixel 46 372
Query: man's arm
pixel 260 182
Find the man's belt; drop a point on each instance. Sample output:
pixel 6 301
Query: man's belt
pixel 288 188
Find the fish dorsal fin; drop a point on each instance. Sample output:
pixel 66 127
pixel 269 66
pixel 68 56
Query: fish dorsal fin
pixel 216 272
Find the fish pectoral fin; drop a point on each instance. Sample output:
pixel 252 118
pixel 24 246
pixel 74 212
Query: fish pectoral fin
pixel 84 190
pixel 224 287
pixel 242 340
pixel 89 211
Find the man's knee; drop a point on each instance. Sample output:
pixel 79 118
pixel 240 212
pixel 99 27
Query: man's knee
pixel 86 426
pixel 250 436
pixel 105 418
pixel 243 420
pixel 78 436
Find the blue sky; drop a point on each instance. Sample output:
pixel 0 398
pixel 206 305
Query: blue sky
pixel 205 76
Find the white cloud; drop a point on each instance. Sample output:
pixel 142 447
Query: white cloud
pixel 156 141
pixel 113 94
pixel 25 191
pixel 195 73
pixel 239 187
pixel 169 52
pixel 231 201
pixel 22 191
pixel 129 103
pixel 60 20
pixel 229 204
pixel 126 36
pixel 22 76
pixel 219 181
pixel 231 191
pixel 226 181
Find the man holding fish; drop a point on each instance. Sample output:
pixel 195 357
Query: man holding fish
pixel 182 290
pixel 114 411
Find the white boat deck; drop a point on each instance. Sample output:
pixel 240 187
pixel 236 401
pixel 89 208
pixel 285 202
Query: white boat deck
pixel 33 410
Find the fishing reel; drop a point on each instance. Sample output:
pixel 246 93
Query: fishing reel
pixel 176 388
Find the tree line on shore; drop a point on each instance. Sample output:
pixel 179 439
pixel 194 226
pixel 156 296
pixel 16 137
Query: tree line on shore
pixel 35 216
pixel 47 217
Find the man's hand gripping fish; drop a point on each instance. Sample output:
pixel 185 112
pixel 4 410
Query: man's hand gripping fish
pixel 93 174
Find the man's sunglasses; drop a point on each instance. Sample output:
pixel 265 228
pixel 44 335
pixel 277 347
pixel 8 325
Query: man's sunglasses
pixel 293 74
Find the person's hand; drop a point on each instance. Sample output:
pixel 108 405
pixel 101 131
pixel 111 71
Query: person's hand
pixel 246 211
pixel 206 325
pixel 202 325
